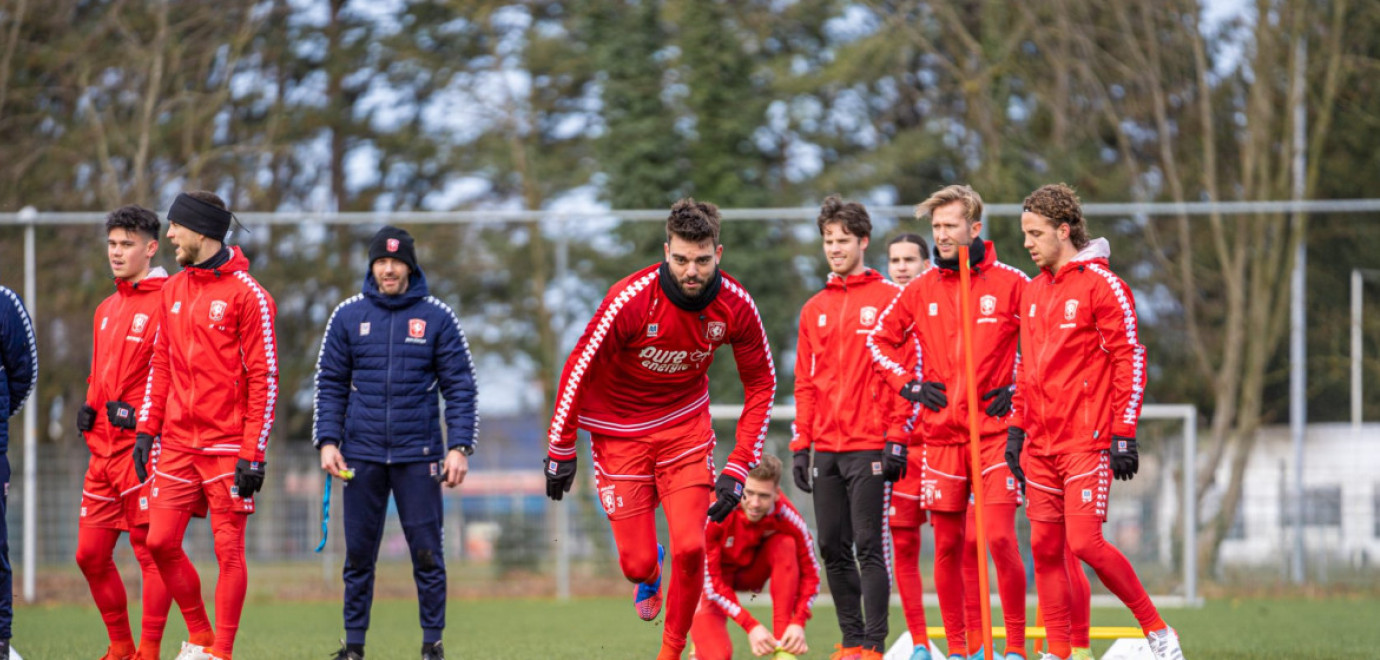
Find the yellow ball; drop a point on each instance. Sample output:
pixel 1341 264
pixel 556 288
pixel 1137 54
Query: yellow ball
pixel 347 474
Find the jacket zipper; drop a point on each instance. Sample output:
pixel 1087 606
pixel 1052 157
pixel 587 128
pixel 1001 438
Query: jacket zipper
pixel 843 314
pixel 191 384
pixel 388 395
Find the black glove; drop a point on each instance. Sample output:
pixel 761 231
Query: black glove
pixel 560 476
pixel 929 394
pixel 1001 401
pixel 800 469
pixel 120 415
pixel 727 491
pixel 1125 458
pixel 249 477
pixel 893 461
pixel 1015 439
pixel 86 418
pixel 143 445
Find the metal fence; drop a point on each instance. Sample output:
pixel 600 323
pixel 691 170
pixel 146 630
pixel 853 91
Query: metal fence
pixel 501 532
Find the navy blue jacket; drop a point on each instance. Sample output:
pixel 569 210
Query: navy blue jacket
pixel 18 360
pixel 382 362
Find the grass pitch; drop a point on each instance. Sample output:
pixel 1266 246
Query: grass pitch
pixel 1245 629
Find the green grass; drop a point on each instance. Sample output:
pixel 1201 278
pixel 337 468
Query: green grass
pixel 1254 629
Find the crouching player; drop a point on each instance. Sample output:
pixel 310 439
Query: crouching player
pixel 764 540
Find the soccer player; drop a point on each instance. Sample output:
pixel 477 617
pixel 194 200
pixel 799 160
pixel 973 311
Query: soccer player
pixel 842 412
pixel 114 498
pixel 386 355
pixel 908 255
pixel 638 382
pixel 907 258
pixel 19 369
pixel 929 311
pixel 1078 400
pixel 209 402
pixel 765 539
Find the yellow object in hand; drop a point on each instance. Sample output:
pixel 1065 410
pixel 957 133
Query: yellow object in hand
pixel 347 474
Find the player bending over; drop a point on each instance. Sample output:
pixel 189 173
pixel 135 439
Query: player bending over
pixel 638 382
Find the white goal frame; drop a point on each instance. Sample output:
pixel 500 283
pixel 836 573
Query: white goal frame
pixel 1186 413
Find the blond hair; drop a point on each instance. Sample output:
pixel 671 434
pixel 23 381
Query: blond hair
pixel 768 470
pixel 965 195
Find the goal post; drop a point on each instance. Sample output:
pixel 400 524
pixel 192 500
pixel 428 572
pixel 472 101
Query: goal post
pixel 1185 413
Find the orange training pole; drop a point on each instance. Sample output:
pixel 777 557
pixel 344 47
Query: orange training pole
pixel 965 306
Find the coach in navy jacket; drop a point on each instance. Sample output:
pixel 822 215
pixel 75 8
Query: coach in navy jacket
pixel 18 374
pixel 387 355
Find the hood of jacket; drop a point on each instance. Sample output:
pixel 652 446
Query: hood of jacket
pixel 151 283
pixel 1098 250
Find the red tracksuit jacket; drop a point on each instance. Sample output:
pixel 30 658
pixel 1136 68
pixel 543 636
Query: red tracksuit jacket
pixel 1082 377
pixel 121 349
pixel 732 545
pixel 841 400
pixel 928 309
pixel 213 385
pixel 642 364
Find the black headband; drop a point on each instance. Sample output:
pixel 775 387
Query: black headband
pixel 201 217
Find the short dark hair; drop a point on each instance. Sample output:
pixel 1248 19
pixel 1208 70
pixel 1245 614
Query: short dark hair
pixel 208 197
pixel 693 221
pixel 1059 204
pixel 768 470
pixel 134 218
pixel 912 238
pixel 852 215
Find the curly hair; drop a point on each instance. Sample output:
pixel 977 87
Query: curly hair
pixel 768 470
pixel 693 221
pixel 852 215
pixel 134 218
pixel 1059 204
pixel 965 195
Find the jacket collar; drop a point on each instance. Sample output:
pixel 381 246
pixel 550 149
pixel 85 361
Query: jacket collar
pixel 678 297
pixel 416 290
pixel 235 264
pixel 981 255
pixel 152 282
pixel 1097 251
pixel 837 281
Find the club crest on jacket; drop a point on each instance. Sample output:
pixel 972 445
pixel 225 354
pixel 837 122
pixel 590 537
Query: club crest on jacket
pixel 868 316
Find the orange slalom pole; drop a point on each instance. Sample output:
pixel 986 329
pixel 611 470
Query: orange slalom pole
pixel 965 306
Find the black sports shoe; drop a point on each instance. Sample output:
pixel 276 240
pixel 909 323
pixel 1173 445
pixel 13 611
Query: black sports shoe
pixel 348 653
pixel 4 649
pixel 433 652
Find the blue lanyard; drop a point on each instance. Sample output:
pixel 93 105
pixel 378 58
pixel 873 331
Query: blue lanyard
pixel 325 512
